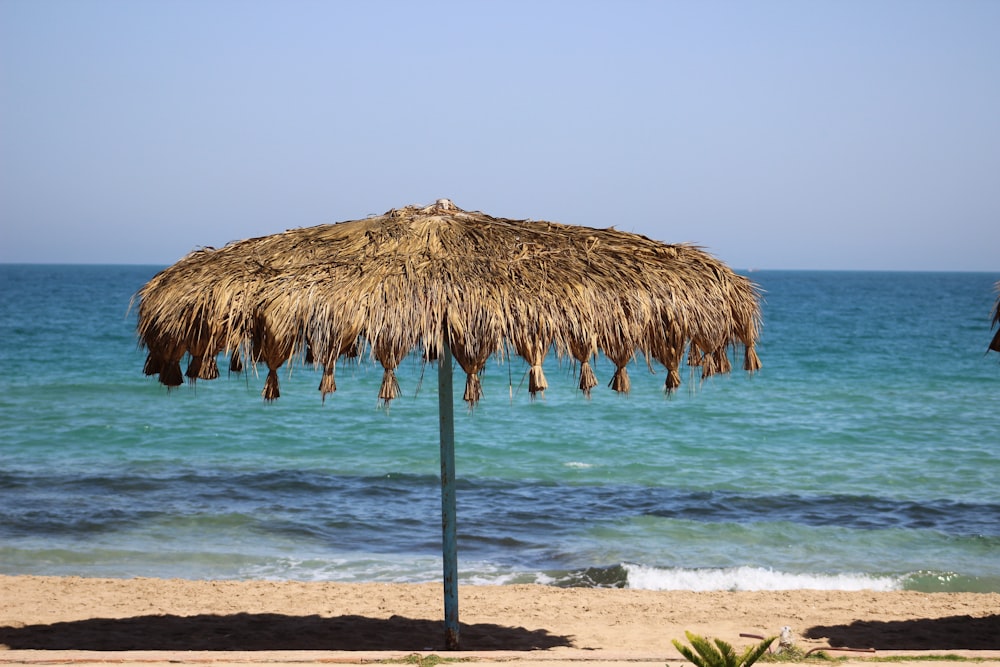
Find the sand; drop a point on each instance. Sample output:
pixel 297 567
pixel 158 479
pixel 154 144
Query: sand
pixel 73 620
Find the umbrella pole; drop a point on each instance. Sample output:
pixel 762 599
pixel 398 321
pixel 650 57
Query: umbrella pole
pixel 449 533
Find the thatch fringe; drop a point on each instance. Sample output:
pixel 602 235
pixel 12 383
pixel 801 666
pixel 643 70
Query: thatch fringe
pixel 621 352
pixel 620 381
pixel 673 381
pixel 532 345
pixel 164 358
pixel 471 353
pixel 273 346
pixel 390 353
pixel 473 389
pixel 170 374
pixel 209 368
pixel 420 277
pixel 153 365
pixel 582 349
pixel 235 362
pixel 389 390
pixel 328 383
pixel 194 368
pixel 537 384
pixel 709 366
pixel 695 355
pixel 723 364
pixel 588 380
pixel 668 349
pixel 270 391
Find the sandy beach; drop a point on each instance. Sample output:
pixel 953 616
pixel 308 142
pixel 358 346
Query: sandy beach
pixel 56 620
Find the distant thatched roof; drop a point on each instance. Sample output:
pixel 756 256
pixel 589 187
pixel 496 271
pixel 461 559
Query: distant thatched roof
pixel 995 343
pixel 415 277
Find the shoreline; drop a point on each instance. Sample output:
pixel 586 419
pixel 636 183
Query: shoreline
pixel 65 619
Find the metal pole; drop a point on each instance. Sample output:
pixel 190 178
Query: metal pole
pixel 449 534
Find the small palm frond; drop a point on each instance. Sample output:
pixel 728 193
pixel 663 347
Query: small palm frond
pixel 754 653
pixel 721 654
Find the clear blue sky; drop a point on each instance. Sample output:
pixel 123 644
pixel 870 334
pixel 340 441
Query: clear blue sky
pixel 813 134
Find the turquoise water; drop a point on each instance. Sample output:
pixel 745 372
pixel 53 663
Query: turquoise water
pixel 865 454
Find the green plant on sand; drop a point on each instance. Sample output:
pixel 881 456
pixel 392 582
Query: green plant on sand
pixel 718 653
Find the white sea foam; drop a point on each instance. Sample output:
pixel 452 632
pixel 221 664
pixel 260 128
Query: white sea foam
pixel 751 579
pixel 578 464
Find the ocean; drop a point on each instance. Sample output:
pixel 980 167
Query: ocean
pixel 865 454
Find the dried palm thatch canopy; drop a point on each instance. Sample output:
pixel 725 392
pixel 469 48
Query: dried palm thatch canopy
pixel 995 343
pixel 447 282
pixel 418 277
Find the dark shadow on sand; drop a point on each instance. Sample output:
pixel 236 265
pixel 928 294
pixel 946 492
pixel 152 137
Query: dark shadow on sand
pixel 930 634
pixel 269 632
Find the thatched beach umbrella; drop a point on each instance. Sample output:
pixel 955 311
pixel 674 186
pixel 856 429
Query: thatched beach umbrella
pixel 447 283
